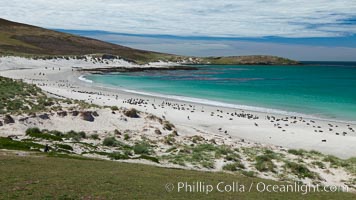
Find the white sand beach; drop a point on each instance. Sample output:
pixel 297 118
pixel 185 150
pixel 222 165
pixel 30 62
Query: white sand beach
pixel 61 78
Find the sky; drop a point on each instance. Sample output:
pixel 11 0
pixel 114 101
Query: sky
pixel 297 29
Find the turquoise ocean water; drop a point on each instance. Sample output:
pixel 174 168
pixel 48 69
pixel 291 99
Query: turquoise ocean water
pixel 326 90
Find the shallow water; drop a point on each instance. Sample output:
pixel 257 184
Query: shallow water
pixel 326 90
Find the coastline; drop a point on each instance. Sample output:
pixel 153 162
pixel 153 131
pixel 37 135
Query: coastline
pixel 286 134
pixel 212 103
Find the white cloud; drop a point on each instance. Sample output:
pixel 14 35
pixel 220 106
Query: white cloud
pixel 228 18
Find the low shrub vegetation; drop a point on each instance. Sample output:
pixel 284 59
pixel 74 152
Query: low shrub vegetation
pixel 264 163
pixel 94 137
pixel 150 158
pixel 118 156
pixel 142 148
pixel 75 136
pixel 17 97
pixel 8 143
pixel 233 166
pixel 299 170
pixel 37 133
pixel 296 152
pixel 65 146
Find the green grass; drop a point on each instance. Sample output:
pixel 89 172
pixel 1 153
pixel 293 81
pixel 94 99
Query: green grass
pixel 335 162
pixel 233 166
pixel 63 178
pixel 150 158
pixel 17 97
pixel 37 133
pixel 94 137
pixel 68 156
pixel 118 156
pixel 114 108
pixel 75 136
pixel 299 152
pixel 142 148
pixel 201 155
pixel 112 142
pixel 248 173
pixel 55 135
pixel 319 164
pixel 126 137
pixel 169 139
pixel 264 162
pixel 5 39
pixel 7 143
pixel 65 147
pixel 300 170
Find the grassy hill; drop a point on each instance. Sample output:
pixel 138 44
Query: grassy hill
pixel 26 40
pixel 40 176
pixel 23 39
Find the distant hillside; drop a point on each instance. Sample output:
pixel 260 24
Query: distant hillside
pixel 26 40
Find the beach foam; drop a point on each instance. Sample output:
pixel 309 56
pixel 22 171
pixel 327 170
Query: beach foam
pixel 82 78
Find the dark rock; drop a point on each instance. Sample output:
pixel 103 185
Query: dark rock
pixel 117 132
pixel 23 119
pixel 32 115
pixel 75 113
pixel 131 113
pixel 8 119
pixel 87 116
pixel 108 57
pixel 62 113
pixel 175 133
pixel 1 124
pixel 95 114
pixel 44 116
pixel 158 132
pixel 12 137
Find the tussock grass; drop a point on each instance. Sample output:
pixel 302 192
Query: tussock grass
pixel 299 152
pixel 37 133
pixel 75 136
pixel 142 148
pixel 200 155
pixel 7 143
pixel 64 146
pixel 300 170
pixel 17 97
pixel 94 137
pixel 264 163
pixel 112 142
pixel 233 166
